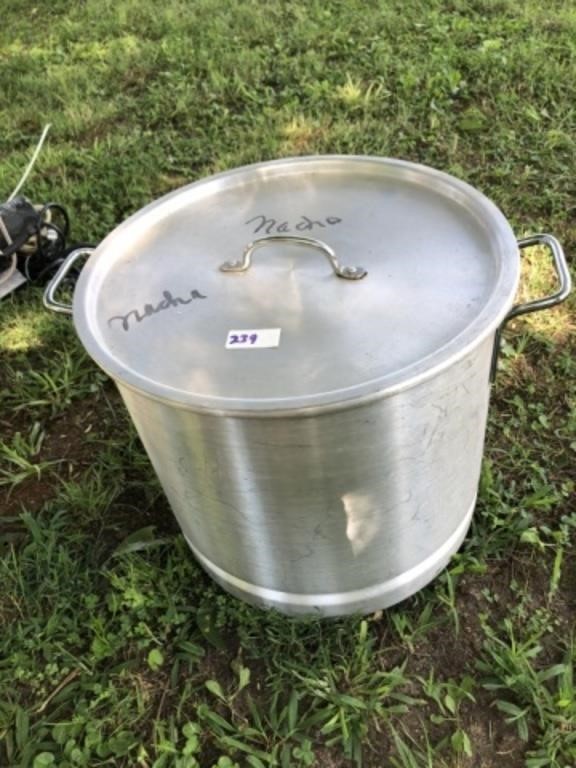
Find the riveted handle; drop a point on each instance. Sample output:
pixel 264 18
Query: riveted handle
pixel 563 291
pixel 50 302
pixel 348 273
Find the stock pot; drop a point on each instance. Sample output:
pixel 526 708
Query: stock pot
pixel 305 347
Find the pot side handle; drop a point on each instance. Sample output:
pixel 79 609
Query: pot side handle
pixel 50 302
pixel 564 282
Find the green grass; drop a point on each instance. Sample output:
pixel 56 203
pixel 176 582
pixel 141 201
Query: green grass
pixel 115 648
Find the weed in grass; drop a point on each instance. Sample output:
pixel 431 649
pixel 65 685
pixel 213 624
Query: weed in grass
pixel 20 457
pixel 514 510
pixel 532 693
pixel 90 495
pixel 557 540
pixel 63 377
pixel 349 693
pixel 176 748
pixel 446 594
pixel 335 692
pixel 448 697
pixel 409 627
pixel 410 754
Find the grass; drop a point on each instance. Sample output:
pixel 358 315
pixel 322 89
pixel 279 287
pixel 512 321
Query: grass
pixel 115 648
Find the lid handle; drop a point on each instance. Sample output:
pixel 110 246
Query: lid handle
pixel 348 273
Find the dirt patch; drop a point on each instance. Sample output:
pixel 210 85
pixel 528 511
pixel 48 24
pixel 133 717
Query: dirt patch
pixel 67 435
pixel 64 447
pixel 30 495
pixel 494 744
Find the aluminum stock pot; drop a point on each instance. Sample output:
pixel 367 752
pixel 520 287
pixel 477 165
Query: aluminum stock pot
pixel 305 347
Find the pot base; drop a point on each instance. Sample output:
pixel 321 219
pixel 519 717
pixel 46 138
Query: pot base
pixel 359 601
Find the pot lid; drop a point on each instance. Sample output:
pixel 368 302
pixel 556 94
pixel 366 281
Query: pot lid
pixel 297 284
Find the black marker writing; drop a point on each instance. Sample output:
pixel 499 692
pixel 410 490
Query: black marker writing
pixel 268 225
pixel 148 310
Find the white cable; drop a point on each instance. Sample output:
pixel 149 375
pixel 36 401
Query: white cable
pixel 7 274
pixel 31 163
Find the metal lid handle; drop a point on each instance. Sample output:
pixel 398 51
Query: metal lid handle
pixel 348 273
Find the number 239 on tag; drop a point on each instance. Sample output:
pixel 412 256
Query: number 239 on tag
pixel 253 338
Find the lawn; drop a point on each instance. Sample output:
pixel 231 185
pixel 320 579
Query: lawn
pixel 115 648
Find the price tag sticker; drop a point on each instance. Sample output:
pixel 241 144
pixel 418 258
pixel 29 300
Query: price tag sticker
pixel 256 338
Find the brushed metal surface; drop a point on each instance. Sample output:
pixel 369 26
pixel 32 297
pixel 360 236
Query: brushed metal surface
pixel 335 604
pixel 154 309
pixel 342 511
pixel 336 470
